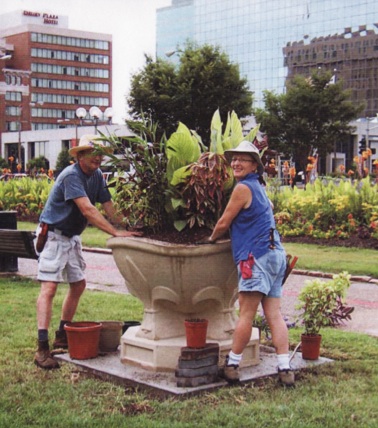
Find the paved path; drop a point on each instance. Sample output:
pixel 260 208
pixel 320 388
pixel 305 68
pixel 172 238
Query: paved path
pixel 103 275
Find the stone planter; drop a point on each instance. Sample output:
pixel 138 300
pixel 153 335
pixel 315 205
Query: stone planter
pixel 176 282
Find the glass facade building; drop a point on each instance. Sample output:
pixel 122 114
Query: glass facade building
pixel 255 33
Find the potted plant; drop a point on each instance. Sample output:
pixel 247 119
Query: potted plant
pixel 322 304
pixel 175 190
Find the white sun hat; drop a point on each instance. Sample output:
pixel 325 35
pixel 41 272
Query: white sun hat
pixel 249 149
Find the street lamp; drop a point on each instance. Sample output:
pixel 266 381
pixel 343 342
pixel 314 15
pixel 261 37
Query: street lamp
pixel 96 114
pixel 109 113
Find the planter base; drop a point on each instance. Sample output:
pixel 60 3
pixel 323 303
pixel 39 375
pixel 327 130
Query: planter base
pixel 163 354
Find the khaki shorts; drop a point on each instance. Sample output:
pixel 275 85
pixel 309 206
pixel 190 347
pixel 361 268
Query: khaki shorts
pixel 61 259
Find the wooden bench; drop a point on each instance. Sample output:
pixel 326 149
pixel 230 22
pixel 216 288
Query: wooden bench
pixel 18 243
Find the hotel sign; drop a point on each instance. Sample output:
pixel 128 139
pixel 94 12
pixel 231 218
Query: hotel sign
pixel 46 17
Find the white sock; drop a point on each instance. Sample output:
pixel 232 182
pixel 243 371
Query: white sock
pixel 234 359
pixel 283 361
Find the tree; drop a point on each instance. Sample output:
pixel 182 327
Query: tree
pixel 64 159
pixel 3 164
pixel 204 80
pixel 313 114
pixel 36 164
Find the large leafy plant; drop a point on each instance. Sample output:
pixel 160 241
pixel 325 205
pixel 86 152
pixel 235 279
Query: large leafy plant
pixel 174 183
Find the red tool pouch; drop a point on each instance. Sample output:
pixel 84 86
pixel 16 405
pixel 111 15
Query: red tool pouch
pixel 246 267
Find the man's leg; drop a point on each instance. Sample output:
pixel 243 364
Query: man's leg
pixel 45 299
pixel 69 307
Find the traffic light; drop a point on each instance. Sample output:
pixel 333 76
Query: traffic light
pixel 362 145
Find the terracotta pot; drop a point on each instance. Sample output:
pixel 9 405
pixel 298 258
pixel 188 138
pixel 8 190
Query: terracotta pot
pixel 83 339
pixel 196 330
pixel 110 335
pixel 310 345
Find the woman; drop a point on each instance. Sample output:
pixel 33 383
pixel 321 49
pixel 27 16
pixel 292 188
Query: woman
pixel 260 260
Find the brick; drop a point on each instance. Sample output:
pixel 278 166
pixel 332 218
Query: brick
pixel 199 362
pixel 194 353
pixel 201 371
pixel 185 382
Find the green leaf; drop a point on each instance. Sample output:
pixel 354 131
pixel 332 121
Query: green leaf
pixel 180 225
pixel 177 203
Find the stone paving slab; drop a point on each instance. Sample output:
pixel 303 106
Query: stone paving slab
pixel 109 367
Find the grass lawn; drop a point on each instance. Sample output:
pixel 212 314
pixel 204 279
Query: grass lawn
pixel 344 393
pixel 311 257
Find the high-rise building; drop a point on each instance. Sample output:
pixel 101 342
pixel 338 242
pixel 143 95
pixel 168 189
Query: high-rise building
pixel 47 73
pixel 258 34
pixel 272 40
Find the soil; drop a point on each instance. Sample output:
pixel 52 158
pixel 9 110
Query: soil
pixel 186 236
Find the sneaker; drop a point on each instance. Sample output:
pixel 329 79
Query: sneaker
pixel 43 358
pixel 286 377
pixel 60 341
pixel 230 372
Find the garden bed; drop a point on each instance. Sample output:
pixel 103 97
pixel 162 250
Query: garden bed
pixel 353 241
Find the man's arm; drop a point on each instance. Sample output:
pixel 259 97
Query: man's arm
pixel 94 217
pixel 112 214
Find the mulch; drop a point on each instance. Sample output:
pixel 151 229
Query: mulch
pixel 352 242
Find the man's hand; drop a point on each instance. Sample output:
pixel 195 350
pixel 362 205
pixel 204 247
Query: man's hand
pixel 127 233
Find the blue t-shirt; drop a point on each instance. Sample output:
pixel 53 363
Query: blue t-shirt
pixel 61 211
pixel 251 228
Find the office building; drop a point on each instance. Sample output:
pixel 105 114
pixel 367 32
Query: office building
pixel 48 72
pixel 272 40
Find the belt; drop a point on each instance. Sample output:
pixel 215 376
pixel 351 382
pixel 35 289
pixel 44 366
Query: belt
pixel 59 232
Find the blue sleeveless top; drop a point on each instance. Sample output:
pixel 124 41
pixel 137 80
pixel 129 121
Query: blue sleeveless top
pixel 251 228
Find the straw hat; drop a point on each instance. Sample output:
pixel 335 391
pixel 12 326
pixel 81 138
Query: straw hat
pixel 89 142
pixel 249 149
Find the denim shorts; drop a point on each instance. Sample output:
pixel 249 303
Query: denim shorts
pixel 267 274
pixel 61 259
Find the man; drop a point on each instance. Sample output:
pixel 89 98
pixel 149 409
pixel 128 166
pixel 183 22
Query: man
pixel 69 208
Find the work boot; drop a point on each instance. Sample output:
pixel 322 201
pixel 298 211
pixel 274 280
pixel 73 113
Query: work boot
pixel 60 340
pixel 230 372
pixel 43 358
pixel 286 377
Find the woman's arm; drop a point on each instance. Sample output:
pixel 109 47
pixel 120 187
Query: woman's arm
pixel 241 198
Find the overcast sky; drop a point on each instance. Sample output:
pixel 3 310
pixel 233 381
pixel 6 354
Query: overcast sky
pixel 132 23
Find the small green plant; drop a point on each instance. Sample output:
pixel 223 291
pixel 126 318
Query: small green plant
pixel 323 303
